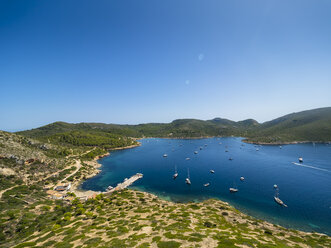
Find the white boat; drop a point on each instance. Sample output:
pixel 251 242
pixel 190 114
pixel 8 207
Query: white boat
pixel 257 149
pixel 279 201
pixel 206 184
pixel 187 158
pixel 212 171
pixel 176 174
pixel 242 178
pixel 300 160
pixel 275 186
pixel 187 180
pixel 165 155
pixel 233 190
pixel 195 152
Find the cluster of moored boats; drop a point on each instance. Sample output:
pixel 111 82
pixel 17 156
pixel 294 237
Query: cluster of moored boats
pixel 233 189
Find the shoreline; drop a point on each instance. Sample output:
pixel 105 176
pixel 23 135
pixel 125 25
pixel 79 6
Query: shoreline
pixel 284 143
pixel 244 139
pixel 76 185
pixel 82 193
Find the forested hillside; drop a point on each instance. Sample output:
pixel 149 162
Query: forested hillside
pixel 310 125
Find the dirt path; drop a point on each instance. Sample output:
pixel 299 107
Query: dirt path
pixel 78 165
pixel 3 191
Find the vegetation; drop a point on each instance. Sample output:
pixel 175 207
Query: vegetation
pixel 38 159
pixel 123 220
pixel 311 125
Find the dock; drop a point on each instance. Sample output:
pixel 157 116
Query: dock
pixel 126 183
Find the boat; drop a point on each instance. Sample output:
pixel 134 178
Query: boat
pixel 200 148
pixel 242 178
pixel 195 152
pixel 233 189
pixel 279 201
pixel 257 149
pixel 187 158
pixel 206 184
pixel 220 143
pixel 230 158
pixel 165 155
pixel 226 151
pixel 275 186
pixel 300 160
pixel 280 147
pixel 176 173
pixel 187 180
pixel 212 171
pixel 205 144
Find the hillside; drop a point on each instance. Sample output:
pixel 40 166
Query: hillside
pixel 310 125
pixel 30 217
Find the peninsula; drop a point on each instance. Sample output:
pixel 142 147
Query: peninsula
pixel 41 205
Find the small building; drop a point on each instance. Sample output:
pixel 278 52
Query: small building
pixel 63 187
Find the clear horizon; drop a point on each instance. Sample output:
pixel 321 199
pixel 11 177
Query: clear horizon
pixel 129 62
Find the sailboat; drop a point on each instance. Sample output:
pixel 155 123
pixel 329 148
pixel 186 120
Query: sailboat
pixel 277 200
pixel 176 174
pixel 234 189
pixel 187 180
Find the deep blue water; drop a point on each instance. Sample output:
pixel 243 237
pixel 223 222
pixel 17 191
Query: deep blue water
pixel 306 190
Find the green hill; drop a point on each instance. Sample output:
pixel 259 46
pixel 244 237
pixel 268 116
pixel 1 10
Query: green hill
pixel 310 125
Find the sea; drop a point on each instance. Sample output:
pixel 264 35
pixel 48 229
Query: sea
pixel 305 187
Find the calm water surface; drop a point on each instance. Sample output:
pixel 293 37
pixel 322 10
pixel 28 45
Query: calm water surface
pixel 305 189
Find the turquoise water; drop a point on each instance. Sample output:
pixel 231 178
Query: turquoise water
pixel 306 189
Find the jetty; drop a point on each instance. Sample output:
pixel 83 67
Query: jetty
pixel 126 183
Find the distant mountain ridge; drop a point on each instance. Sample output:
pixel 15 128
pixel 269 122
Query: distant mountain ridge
pixel 309 125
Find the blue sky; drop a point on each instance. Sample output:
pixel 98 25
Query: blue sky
pixel 156 61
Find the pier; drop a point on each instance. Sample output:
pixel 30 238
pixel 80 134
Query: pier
pixel 126 183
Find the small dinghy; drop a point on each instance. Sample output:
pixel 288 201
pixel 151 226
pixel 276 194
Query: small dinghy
pixel 233 190
pixel 176 173
pixel 242 178
pixel 212 171
pixel 187 180
pixel 165 155
pixel 206 184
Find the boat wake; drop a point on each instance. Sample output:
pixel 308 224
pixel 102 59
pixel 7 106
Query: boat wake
pixel 312 167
